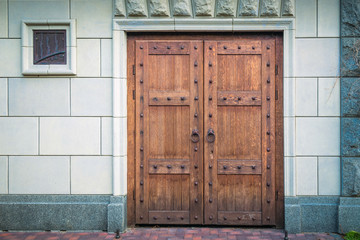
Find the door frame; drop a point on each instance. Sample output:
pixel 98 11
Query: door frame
pixel 279 119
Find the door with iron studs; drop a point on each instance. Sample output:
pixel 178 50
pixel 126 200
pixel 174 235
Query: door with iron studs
pixel 205 132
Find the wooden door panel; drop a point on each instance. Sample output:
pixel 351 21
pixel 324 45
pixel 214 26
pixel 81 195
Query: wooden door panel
pixel 239 180
pixel 168 126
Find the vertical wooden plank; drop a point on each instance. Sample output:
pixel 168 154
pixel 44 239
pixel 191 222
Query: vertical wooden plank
pixel 210 122
pixel 196 120
pixel 279 136
pixel 142 129
pixel 268 132
pixel 130 133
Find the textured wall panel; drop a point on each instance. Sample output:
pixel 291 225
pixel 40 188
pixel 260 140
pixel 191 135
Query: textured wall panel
pixel 249 8
pixel 182 8
pixel 226 8
pixel 270 8
pixel 136 8
pixel 159 8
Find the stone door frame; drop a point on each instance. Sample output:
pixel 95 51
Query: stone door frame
pixel 120 29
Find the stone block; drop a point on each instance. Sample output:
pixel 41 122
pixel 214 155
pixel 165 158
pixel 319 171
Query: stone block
pixel 20 10
pixel 350 97
pixel 329 175
pixel 270 8
pixel 106 57
pixel 350 21
pixel 306 97
pixel 351 177
pixel 292 217
pixel 328 18
pixel 226 8
pixel 350 137
pixel 306 176
pixel 349 214
pixel 3 18
pixel 182 8
pixel 288 8
pixel 39 175
pixel 306 18
pixel 137 8
pixel 106 135
pixel 319 217
pixel 88 57
pixel 19 136
pixel 39 97
pixel 93 18
pixel 289 137
pixel 289 97
pixel 290 173
pixel 3 97
pixel 204 7
pixel 120 175
pixel 318 136
pixel 4 174
pixel 91 175
pixel 54 212
pixel 120 9
pixel 91 97
pixel 350 59
pixel 159 8
pixel 10 58
pixel 70 136
pixel 249 8
pixel 120 93
pixel 329 96
pixel 314 58
pixel 117 214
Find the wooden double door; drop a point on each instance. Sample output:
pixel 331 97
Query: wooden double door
pixel 205 131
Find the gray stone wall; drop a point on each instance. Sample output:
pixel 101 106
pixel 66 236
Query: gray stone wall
pixel 349 208
pixel 350 97
pixel 204 8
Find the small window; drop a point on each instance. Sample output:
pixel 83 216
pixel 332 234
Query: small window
pixel 49 47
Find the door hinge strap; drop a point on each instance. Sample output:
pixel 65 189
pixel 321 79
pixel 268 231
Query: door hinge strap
pixel 134 70
pixel 276 94
pixel 276 69
pixel 133 194
pixel 276 195
pixel 133 94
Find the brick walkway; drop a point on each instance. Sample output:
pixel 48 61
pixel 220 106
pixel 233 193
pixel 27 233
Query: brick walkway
pixel 170 234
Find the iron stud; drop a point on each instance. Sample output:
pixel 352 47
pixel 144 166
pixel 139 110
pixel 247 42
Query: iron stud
pixel 196 115
pixel 182 166
pixel 225 218
pixel 196 200
pixel 268 98
pixel 141 64
pixel 196 217
pixel 168 98
pixel 224 98
pixel 141 200
pixel 155 99
pixel 253 98
pixel 239 47
pixel 268 115
pixel 196 183
pixel 253 218
pixel 182 218
pixel 268 64
pixel 268 81
pixel 211 217
pixel 182 47
pixel 239 167
pixel 268 218
pixel 210 81
pixel 168 166
pixel 155 47
pixel 195 47
pixel 155 218
pixel 253 166
pixel 239 98
pixel 141 115
pixel 268 184
pixel 141 166
pixel 141 149
pixel 210 115
pixel 210 98
pixel 268 149
pixel 210 166
pixel 253 48
pixel 196 98
pixel 210 200
pixel 210 183
pixel 268 201
pixel 195 149
pixel 225 167
pixel 225 47
pixel 182 98
pixel 141 81
pixel 195 81
pixel 141 217
pixel 168 47
pixel 210 47
pixel 168 217
pixel 268 47
pixel 141 182
pixel 268 166
pixel 141 47
pixel 210 64
pixel 239 218
pixel 196 64
pixel 268 132
pixel 196 166
pixel 155 166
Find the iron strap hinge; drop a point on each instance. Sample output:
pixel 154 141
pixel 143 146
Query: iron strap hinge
pixel 276 69
pixel 277 195
pixel 133 94
pixel 133 194
pixel 134 70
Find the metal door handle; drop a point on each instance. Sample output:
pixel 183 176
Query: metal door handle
pixel 210 137
pixel 195 136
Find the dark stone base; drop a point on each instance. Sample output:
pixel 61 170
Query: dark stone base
pixel 311 214
pixel 349 214
pixel 62 212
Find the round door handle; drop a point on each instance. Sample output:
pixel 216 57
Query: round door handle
pixel 195 136
pixel 210 137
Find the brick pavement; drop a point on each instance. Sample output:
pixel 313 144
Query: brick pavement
pixel 171 234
